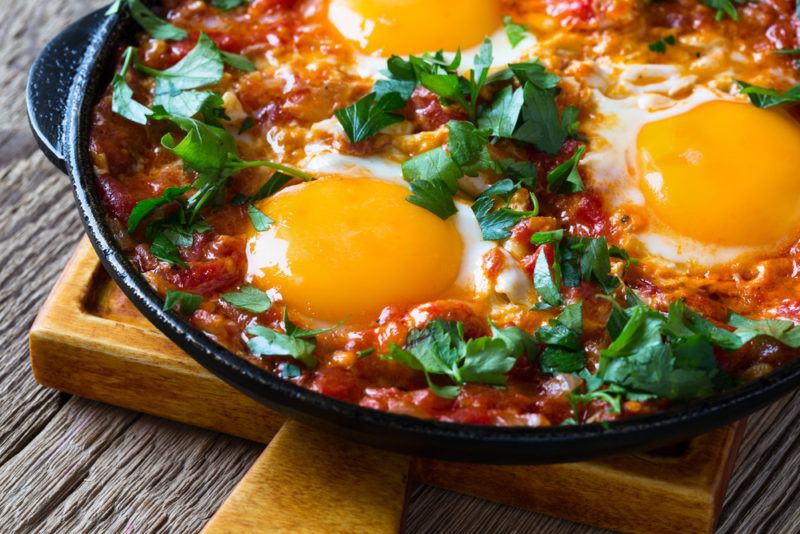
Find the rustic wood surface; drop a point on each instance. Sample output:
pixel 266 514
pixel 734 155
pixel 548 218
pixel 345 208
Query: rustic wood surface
pixel 71 465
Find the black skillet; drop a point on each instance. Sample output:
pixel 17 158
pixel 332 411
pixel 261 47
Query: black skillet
pixel 63 86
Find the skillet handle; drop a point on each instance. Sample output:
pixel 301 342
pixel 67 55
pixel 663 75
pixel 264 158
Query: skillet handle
pixel 307 481
pixel 49 82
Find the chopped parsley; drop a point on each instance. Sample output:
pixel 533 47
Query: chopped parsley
pixel 295 343
pixel 660 46
pixel 258 218
pixel 249 298
pixel 187 303
pixel 247 124
pixel 724 8
pixel 543 238
pixel 495 224
pixel 565 178
pixel 546 281
pixel 144 207
pixel 541 125
pixel 228 4
pixel 122 102
pixel 440 349
pixel 370 115
pixel 764 97
pixel 211 152
pixel 364 353
pixel 516 32
pixel 435 196
pixel 158 28
pixel 502 116
pixel 564 352
pixel 204 65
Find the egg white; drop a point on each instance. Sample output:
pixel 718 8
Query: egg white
pixel 648 93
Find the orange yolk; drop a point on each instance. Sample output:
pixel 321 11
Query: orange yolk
pixel 348 247
pixel 405 27
pixel 724 173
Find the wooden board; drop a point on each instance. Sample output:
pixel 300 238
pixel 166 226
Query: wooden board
pixel 89 340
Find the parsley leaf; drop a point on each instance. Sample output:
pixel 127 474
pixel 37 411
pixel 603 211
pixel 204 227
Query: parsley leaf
pixel 249 298
pixel 541 125
pixel 370 115
pixel 663 356
pixel 434 164
pixel 122 102
pixel 502 116
pixel 211 152
pixel 202 66
pixel 271 186
pixel 158 28
pixel 440 349
pixel 495 224
pixel 543 238
pixel 660 46
pixel 724 7
pixel 535 73
pixel 187 302
pixel 144 207
pixel 764 97
pixel 261 222
pixel 434 179
pixel 565 330
pixel 267 342
pixel 596 264
pixel 447 86
pixel 164 249
pixel 557 360
pixel 467 147
pixel 247 124
pixel 166 235
pixel 238 61
pixel 296 343
pixel 780 330
pixel 516 32
pixel 517 340
pixel 435 196
pixel 543 281
pixel 565 178
pixel 486 361
pixel 228 4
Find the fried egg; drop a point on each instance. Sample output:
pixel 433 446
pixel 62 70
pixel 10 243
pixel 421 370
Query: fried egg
pixel 348 245
pixel 705 176
pixel 377 29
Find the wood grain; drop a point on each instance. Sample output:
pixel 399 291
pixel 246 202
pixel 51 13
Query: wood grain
pixel 308 481
pixel 123 489
pixel 89 340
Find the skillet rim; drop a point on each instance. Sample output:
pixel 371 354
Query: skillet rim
pixel 399 433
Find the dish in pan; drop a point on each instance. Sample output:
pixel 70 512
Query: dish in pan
pixel 445 236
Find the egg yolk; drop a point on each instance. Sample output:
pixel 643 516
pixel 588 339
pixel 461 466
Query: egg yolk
pixel 724 173
pixel 405 27
pixel 348 247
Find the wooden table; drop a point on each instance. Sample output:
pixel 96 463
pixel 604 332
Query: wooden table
pixel 71 465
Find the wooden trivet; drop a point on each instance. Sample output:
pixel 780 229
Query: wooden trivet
pixel 89 340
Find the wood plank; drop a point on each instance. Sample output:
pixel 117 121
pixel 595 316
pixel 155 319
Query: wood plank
pixel 652 493
pixel 152 377
pixel 308 481
pixel 97 468
pixel 88 326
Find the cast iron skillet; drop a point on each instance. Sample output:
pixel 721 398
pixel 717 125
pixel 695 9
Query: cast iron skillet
pixel 64 83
